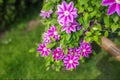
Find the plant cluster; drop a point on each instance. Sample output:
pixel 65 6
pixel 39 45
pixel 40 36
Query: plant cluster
pixel 71 27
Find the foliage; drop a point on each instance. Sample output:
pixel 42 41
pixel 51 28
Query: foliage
pixel 12 11
pixel 95 24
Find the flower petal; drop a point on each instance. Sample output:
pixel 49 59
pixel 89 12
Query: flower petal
pixel 64 4
pixel 118 9
pixel 64 28
pixel 107 2
pixel 70 6
pixel 68 31
pixel 112 9
pixel 68 66
pixel 60 17
pixel 70 18
pixel 59 7
pixel 72 28
pixel 74 12
pixel 60 12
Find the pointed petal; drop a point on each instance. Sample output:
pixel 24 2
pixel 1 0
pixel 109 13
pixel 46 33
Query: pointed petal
pixel 65 19
pixel 74 12
pixel 70 18
pixel 68 66
pixel 68 31
pixel 112 9
pixel 60 17
pixel 64 5
pixel 107 2
pixel 73 66
pixel 118 9
pixel 76 63
pixel 60 8
pixel 72 28
pixel 60 12
pixel 70 6
pixel 64 28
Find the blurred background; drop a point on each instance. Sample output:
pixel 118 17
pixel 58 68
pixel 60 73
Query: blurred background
pixel 20 31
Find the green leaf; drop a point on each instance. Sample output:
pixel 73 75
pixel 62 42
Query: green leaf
pixel 94 53
pixel 114 27
pixel 85 18
pixel 88 39
pixel 116 18
pixel 90 9
pixel 95 38
pixel 47 63
pixel 88 33
pixel 37 54
pixel 106 34
pixel 106 21
pixel 118 33
pixel 66 51
pixel 51 45
pixel 68 37
pixel 32 50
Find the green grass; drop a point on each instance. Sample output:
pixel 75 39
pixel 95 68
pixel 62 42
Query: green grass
pixel 17 62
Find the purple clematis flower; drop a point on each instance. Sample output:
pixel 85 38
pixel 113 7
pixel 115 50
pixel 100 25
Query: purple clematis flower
pixel 79 27
pixel 68 27
pixel 73 51
pixel 71 61
pixel 49 13
pixel 85 49
pixel 114 6
pixel 58 54
pixel 53 33
pixel 45 14
pixel 43 50
pixel 46 38
pixel 66 12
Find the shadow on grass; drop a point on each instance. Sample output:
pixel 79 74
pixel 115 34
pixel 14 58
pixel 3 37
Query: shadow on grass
pixel 109 67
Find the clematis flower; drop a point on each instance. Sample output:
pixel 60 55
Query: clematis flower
pixel 43 50
pixel 70 62
pixel 70 51
pixel 66 12
pixel 53 32
pixel 58 54
pixel 49 13
pixel 79 27
pixel 70 27
pixel 74 51
pixel 114 6
pixel 45 14
pixel 46 38
pixel 85 49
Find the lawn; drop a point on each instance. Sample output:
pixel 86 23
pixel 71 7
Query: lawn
pixel 17 62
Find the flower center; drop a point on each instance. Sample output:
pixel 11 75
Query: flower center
pixel 84 50
pixel 68 24
pixel 48 38
pixel 66 13
pixel 118 1
pixel 57 54
pixel 45 49
pixel 55 33
pixel 71 61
